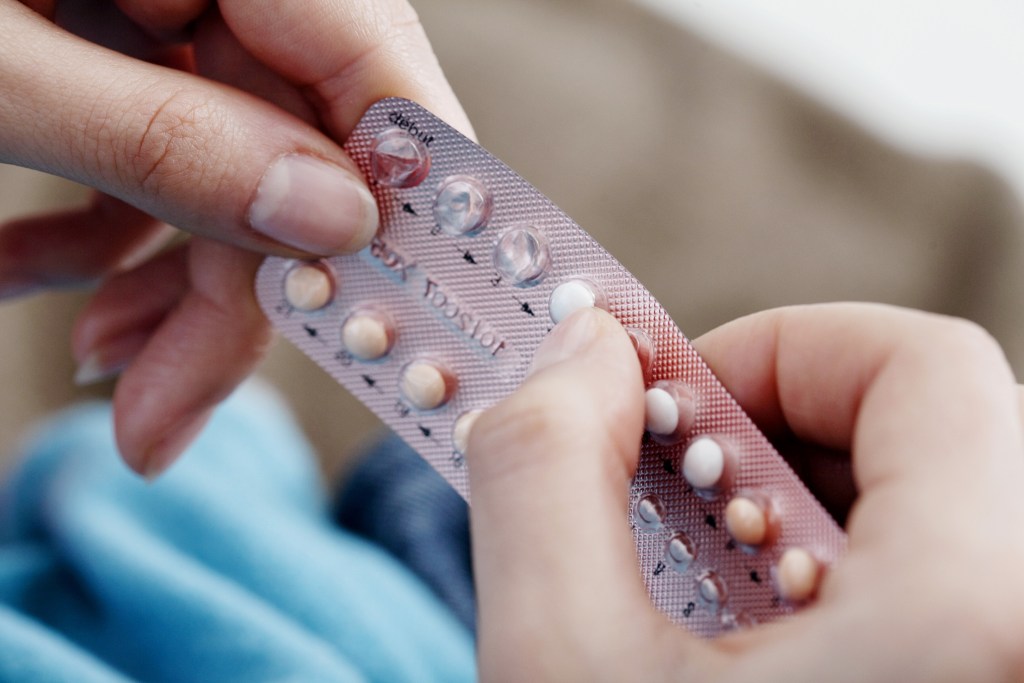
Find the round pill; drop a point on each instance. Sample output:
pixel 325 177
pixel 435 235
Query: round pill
pixel 569 297
pixel 462 206
pixel 461 429
pixel 670 410
pixel 521 256
pixel 662 411
pixel 797 575
pixel 398 159
pixel 649 513
pixel 367 335
pixel 704 463
pixel 425 385
pixel 680 552
pixel 308 287
pixel 746 521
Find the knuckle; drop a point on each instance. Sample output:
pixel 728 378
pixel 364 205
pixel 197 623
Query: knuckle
pixel 162 141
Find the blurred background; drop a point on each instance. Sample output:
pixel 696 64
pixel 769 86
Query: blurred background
pixel 735 155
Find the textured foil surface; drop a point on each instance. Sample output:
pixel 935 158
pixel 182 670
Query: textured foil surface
pixel 419 275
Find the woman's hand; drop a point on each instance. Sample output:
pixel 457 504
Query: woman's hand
pixel 220 118
pixel 930 588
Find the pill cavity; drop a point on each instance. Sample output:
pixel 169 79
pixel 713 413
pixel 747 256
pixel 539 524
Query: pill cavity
pixel 706 464
pixel 462 206
pixel 680 552
pixel 368 335
pixel 426 385
pixel 571 296
pixel 649 513
pixel 308 287
pixel 644 348
pixel 461 429
pixel 797 575
pixel 399 159
pixel 670 410
pixel 747 520
pixel 521 256
pixel 711 591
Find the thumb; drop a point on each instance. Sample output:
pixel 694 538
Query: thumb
pixel 549 475
pixel 194 153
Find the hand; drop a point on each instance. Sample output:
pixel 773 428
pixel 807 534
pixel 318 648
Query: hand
pixel 930 588
pixel 222 119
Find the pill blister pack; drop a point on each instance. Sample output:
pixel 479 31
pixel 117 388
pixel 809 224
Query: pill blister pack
pixel 440 316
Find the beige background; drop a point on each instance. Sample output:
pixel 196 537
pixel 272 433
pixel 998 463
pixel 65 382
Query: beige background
pixel 722 190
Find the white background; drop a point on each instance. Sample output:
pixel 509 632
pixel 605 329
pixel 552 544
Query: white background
pixel 932 76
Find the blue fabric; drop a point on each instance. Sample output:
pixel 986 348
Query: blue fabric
pixel 226 569
pixel 396 499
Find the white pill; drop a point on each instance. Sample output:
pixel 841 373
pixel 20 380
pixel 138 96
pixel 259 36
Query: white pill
pixel 746 521
pixel 461 429
pixel 662 411
pixel 797 575
pixel 367 336
pixel 425 385
pixel 569 297
pixel 308 287
pixel 704 463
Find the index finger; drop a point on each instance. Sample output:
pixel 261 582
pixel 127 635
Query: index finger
pixel 347 53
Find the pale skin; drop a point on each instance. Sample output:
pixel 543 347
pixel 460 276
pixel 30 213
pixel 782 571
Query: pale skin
pixel 930 590
pixel 926 406
pixel 175 111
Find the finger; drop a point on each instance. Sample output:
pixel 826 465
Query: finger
pixel 347 53
pixel 221 57
pixel 125 312
pixel 194 153
pixel 928 404
pixel 549 477
pixel 77 246
pixel 162 17
pixel 208 344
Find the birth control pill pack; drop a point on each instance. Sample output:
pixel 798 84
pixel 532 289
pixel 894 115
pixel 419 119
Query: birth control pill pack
pixel 439 318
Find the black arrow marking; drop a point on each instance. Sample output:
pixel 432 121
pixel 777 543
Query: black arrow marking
pixel 407 207
pixel 424 430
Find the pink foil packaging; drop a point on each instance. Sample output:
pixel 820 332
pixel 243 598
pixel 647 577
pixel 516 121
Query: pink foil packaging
pixel 444 301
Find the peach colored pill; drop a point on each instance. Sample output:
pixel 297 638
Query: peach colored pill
pixel 366 336
pixel 424 385
pixel 797 575
pixel 308 287
pixel 461 429
pixel 746 521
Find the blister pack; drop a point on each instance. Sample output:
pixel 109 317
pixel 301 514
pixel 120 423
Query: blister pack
pixel 440 316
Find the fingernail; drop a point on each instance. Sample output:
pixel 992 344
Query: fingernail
pixel 570 337
pixel 164 452
pixel 314 206
pixel 110 358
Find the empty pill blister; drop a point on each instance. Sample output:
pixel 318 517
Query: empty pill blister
pixel 439 317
